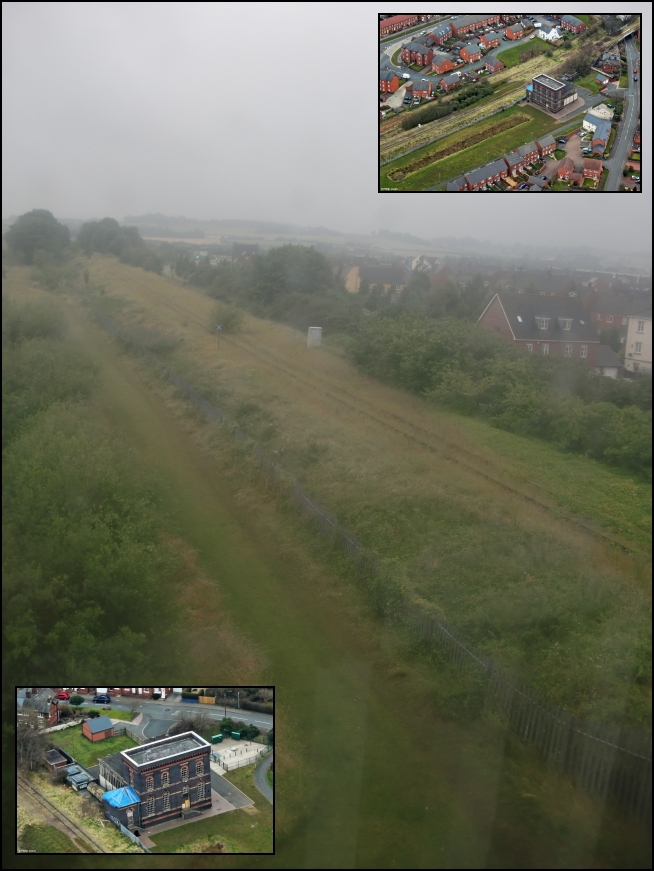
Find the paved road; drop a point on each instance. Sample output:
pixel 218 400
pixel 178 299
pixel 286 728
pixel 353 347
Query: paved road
pixel 228 791
pixel 627 128
pixel 171 709
pixel 260 779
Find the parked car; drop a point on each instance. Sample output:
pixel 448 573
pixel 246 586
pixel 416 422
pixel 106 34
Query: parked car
pixel 635 178
pixel 635 78
pixel 101 700
pixel 406 76
pixel 543 178
pixel 62 696
pixel 562 141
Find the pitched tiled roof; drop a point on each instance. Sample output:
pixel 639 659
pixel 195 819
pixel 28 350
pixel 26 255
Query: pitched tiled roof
pixel 100 724
pixel 491 59
pixel 546 141
pixel 513 158
pixel 606 356
pixel 522 311
pixel 570 19
pixel 486 171
pixel 440 57
pixel 515 28
pixel 451 79
pixel 524 150
pixel 457 184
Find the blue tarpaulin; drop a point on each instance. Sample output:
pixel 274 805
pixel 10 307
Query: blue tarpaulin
pixel 121 797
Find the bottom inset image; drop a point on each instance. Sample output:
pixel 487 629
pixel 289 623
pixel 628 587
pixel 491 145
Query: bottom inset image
pixel 145 769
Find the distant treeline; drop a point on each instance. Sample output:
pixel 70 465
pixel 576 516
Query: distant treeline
pixel 86 572
pixel 465 367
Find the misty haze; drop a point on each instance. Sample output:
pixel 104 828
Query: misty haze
pixel 382 470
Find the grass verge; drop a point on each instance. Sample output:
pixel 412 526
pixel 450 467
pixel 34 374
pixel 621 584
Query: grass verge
pixel 46 839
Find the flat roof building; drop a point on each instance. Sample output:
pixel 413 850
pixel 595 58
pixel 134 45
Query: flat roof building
pixel 551 93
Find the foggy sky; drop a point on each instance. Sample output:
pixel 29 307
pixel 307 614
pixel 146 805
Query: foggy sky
pixel 259 111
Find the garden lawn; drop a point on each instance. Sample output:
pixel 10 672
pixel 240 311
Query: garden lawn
pixel 46 839
pixel 510 57
pixel 589 183
pixel 603 179
pixel 112 713
pixel 559 154
pixel 86 752
pixel 624 82
pixel 589 82
pixel 474 156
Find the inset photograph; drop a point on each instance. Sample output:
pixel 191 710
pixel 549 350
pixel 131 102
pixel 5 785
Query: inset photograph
pixel 145 769
pixel 506 103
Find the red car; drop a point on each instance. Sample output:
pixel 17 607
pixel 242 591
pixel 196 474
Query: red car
pixel 63 696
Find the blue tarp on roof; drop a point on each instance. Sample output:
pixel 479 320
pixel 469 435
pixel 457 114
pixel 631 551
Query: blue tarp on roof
pixel 121 797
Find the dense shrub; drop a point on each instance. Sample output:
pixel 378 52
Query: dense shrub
pixel 36 231
pixel 429 113
pixel 228 316
pixel 465 367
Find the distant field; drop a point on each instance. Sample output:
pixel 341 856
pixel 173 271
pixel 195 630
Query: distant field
pixel 430 490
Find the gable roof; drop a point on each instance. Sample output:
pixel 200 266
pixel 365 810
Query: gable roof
pixel 440 57
pixel 457 184
pixel 484 172
pixel 452 79
pixel 99 724
pixel 521 312
pixel 546 141
pixel 606 356
pixel 515 28
pixel 602 129
pixel 514 158
pixel 524 150
pixel 387 75
pixel 570 19
pixel 492 60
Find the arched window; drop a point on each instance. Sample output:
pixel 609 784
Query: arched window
pixel 150 805
pixel 200 791
pixel 131 777
pixel 166 801
pixel 199 769
pixel 184 772
pixel 149 783
pixel 165 778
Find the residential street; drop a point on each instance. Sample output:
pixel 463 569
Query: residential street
pixel 260 779
pixel 629 121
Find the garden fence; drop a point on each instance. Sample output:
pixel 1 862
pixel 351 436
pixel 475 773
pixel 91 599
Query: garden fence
pixel 609 761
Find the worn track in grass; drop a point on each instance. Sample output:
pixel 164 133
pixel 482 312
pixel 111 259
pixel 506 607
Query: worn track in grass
pixel 420 435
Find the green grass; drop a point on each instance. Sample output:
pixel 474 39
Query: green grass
pixel 624 80
pixel 87 752
pixel 46 839
pixel 636 157
pixel 474 156
pixel 510 57
pixel 269 777
pixel 559 185
pixel 396 55
pixel 612 136
pixel 588 82
pixel 240 831
pixel 603 179
pixel 559 154
pixel 589 183
pixel 111 712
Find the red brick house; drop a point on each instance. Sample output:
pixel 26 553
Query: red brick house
pixel 450 82
pixel 439 35
pixel 574 25
pixel 610 63
pixel 467 23
pixel 422 88
pixel 388 81
pixel 395 23
pixel 416 53
pixel 529 152
pixel 38 707
pixel 485 175
pixel 441 63
pixel 546 145
pixel 516 31
pixel 490 40
pixel 591 168
pixel 607 309
pixel 493 64
pixel 515 161
pixel 542 325
pixel 567 167
pixel 470 52
pixel 98 729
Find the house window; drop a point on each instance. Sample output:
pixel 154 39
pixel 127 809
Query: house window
pixel 184 772
pixel 599 317
pixel 566 324
pixel 609 319
pixel 199 769
pixel 636 367
pixel 641 327
pixel 530 348
pixel 584 351
pixel 184 789
pixel 542 323
pixel 165 778
pixel 639 347
pixel 200 791
pixel 150 810
pixel 149 783
pixel 568 350
pixel 546 349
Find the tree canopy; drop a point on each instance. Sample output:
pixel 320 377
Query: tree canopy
pixel 34 231
pixel 108 237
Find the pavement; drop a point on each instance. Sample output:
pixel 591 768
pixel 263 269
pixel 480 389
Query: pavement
pixel 260 779
pixel 218 806
pixel 228 791
pixel 627 127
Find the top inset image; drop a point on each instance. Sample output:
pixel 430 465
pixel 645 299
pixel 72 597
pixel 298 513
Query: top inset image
pixel 509 104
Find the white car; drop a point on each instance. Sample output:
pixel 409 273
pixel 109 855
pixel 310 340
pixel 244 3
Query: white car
pixel 406 76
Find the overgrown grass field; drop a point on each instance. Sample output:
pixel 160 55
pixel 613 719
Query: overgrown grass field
pixel 46 839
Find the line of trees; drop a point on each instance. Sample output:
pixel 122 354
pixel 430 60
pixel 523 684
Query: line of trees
pixel 468 369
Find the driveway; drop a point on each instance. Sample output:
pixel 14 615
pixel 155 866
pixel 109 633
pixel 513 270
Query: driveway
pixel 574 149
pixel 228 791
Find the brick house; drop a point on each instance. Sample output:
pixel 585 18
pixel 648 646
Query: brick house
pixel 395 23
pixel 422 88
pixel 610 63
pixel 542 325
pixel 388 81
pixel 608 309
pixel 54 760
pixel 551 93
pixel 574 25
pixel 439 34
pixel 516 31
pixel 170 778
pixel 493 64
pixel 546 145
pixel 441 63
pixel 607 362
pixel 638 347
pixel 37 706
pixel 457 185
pixel 467 23
pixel 591 168
pixel 98 729
pixel 470 52
pixel 485 175
pixel 490 40
pixel 567 167
pixel 450 82
pixel 529 152
pixel 416 53
pixel 515 161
